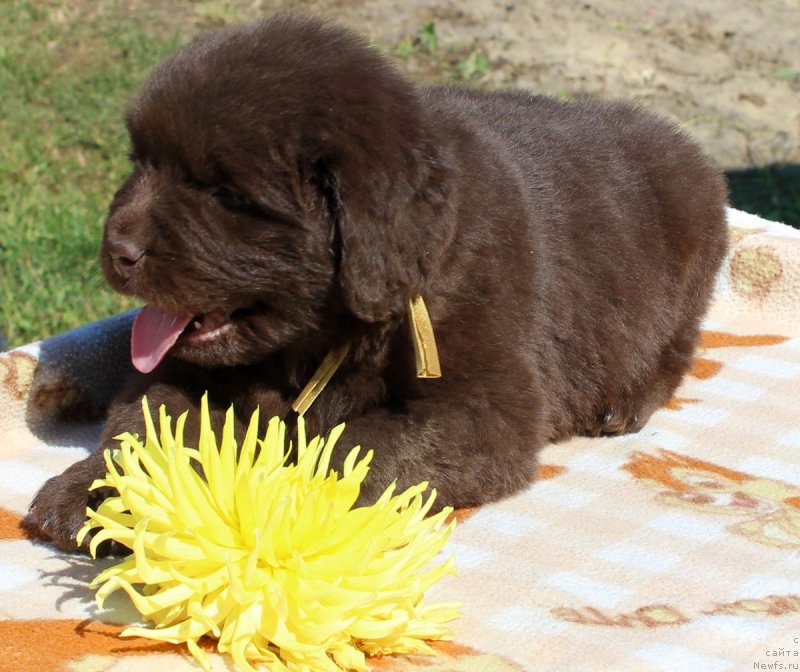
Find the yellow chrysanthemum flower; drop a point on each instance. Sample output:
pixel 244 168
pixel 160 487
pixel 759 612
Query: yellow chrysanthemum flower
pixel 266 555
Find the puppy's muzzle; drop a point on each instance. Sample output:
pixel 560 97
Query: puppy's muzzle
pixel 125 255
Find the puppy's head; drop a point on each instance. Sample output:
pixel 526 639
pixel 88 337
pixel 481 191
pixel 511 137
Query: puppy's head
pixel 285 179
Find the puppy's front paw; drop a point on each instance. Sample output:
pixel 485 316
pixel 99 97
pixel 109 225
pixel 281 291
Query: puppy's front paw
pixel 59 508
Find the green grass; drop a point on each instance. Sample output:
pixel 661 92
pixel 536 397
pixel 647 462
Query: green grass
pixel 429 60
pixel 66 70
pixel 65 75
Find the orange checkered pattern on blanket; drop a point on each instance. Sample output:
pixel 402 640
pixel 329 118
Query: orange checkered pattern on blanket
pixel 677 548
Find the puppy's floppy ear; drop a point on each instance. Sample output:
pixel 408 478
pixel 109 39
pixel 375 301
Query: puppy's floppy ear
pixel 393 208
pixel 386 175
pixel 395 220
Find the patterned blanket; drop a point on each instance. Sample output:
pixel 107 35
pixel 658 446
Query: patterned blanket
pixel 677 548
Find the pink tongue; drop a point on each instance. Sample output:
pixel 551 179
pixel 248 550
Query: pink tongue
pixel 154 333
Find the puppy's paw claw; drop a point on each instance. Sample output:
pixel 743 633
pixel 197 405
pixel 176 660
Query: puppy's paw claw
pixel 58 510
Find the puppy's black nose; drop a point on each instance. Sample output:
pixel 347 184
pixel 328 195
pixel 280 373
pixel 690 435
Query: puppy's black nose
pixel 124 253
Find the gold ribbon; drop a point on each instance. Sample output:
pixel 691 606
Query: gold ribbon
pixel 426 356
pixel 320 378
pixel 425 350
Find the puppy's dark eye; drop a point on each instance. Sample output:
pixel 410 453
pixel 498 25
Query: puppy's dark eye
pixel 233 201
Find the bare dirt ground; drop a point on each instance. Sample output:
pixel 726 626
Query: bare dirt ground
pixel 727 70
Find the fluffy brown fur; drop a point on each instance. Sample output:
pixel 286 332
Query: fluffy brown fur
pixel 286 179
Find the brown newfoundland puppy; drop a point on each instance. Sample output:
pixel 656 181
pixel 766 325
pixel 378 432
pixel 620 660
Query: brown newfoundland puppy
pixel 291 192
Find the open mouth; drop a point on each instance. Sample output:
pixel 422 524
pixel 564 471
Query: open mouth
pixel 207 326
pixel 155 332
